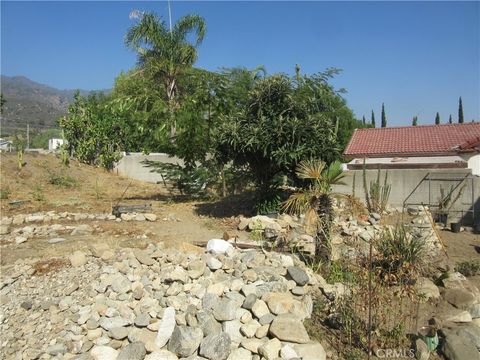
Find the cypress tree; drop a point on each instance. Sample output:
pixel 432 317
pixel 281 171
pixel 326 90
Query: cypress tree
pixel 450 119
pixel 373 119
pixel 384 118
pixel 437 119
pixel 415 121
pixel 460 111
pixel 364 121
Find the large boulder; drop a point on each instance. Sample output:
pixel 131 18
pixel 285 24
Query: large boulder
pixel 459 348
pixel 287 327
pixel 185 340
pixel 216 346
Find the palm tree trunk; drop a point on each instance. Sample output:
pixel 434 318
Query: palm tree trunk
pixel 171 89
pixel 322 239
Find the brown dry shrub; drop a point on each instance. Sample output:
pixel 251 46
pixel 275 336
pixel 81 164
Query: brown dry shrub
pixel 45 266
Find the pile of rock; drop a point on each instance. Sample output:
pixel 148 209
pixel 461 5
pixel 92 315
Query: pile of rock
pixel 159 303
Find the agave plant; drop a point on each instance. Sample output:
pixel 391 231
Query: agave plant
pixel 315 200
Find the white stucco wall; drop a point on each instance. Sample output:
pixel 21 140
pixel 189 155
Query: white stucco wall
pixel 474 164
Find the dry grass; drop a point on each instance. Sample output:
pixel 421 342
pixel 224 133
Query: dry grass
pixel 45 266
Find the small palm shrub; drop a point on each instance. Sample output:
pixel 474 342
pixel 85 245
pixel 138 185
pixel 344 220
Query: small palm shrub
pixel 399 254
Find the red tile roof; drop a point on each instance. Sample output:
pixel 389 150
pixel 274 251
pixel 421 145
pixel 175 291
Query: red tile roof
pixel 413 140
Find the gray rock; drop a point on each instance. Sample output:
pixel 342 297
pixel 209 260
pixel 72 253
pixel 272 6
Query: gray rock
pixel 215 346
pixel 310 351
pixel 27 305
pixel 103 353
pixel 56 240
pixel 225 310
pixel 133 351
pixel 249 301
pixel 232 328
pixel 120 284
pixel 458 348
pixel 471 332
pixel 298 275
pixel 427 288
pixel 260 309
pixel 118 333
pixel 185 340
pixel 20 239
pixel 266 319
pixel 421 350
pixel 142 320
pixel 143 257
pixel 270 349
pixel 214 264
pixel 166 327
pixel 459 298
pixel 57 349
pixel 208 324
pixel 282 326
pixel 78 258
pixel 240 354
pixel 110 323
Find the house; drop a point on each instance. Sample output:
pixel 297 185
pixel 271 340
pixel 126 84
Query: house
pixel 54 143
pixel 423 163
pixel 449 146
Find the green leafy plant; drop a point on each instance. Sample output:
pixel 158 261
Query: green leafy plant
pixel 61 179
pixel 315 200
pixel 37 193
pixel 5 193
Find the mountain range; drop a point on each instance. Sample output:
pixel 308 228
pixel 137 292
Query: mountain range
pixel 32 103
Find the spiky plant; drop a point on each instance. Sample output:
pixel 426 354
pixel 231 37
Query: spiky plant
pixel 316 202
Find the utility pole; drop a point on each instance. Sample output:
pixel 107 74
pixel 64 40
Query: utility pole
pixel 28 136
pixel 170 16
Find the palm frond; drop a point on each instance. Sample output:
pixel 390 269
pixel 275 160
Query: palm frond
pixel 310 169
pixel 190 24
pixel 333 174
pixel 297 203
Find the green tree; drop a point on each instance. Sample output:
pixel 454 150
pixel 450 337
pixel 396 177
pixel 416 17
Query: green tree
pixel 437 119
pixel 460 111
pixel 364 122
pixel 373 119
pixel 167 54
pixel 415 121
pixel 384 117
pixel 315 201
pixel 450 121
pixel 2 102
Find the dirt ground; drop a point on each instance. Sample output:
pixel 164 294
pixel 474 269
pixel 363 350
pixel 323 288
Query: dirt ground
pixel 96 191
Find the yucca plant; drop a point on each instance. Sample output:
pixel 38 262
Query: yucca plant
pixel 316 202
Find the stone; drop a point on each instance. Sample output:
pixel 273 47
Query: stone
pixel 113 322
pixel 427 288
pixel 83 229
pixel 150 217
pixel 120 284
pixel 474 311
pixel 215 346
pixel 142 320
pixel 471 332
pixel 4 229
pixel 458 348
pixel 310 351
pixel 298 275
pixel 161 355
pixel 421 350
pixel 27 305
pixel 232 328
pixel 282 326
pixel 78 258
pixel 56 240
pixel 20 239
pixel 224 310
pixel 57 349
pixel 266 319
pixel 260 309
pixel 459 316
pixel 133 351
pixel 185 340
pixel 460 298
pixel 262 331
pixel 287 353
pixel 240 354
pixel 118 333
pixel 166 327
pixel 249 301
pixel 214 264
pixel 270 349
pixel 104 353
pixel 280 303
pixel 70 289
pixel 207 323
pixel 143 257
pixel 243 223
pixel 249 329
pixel 145 336
pixel 218 246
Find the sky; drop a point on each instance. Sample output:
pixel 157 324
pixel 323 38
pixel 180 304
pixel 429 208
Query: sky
pixel 416 57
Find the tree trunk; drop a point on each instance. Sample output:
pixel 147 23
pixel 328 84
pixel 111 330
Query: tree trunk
pixel 322 238
pixel 171 89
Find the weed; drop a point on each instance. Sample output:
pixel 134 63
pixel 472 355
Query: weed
pixel 46 266
pixel 37 193
pixel 98 190
pixel 468 268
pixel 376 195
pixel 257 235
pixel 340 272
pixel 4 193
pixel 61 179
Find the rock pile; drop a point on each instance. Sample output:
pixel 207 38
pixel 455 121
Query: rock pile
pixel 159 303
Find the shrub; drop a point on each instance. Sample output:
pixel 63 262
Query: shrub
pixel 61 179
pixel 399 254
pixel 4 193
pixel 37 193
pixel 376 195
pixel 468 268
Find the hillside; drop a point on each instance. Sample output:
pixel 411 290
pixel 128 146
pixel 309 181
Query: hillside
pixel 29 102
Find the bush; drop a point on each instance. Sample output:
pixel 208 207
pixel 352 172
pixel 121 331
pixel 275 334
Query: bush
pixel 37 193
pixel 399 254
pixel 468 268
pixel 61 179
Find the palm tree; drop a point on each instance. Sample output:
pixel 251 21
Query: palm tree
pixel 316 200
pixel 166 53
